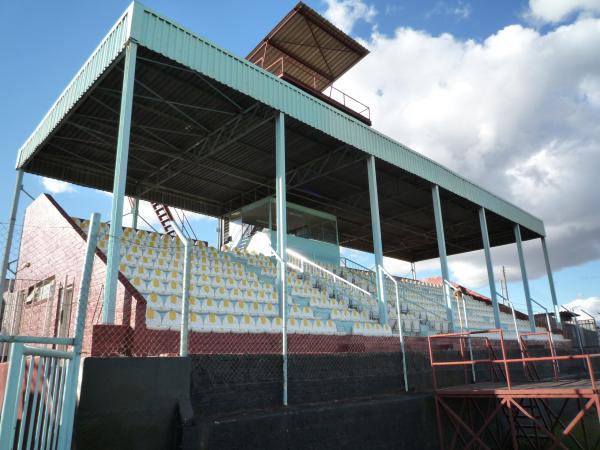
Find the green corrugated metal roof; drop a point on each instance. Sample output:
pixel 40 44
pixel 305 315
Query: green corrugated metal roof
pixel 104 55
pixel 159 34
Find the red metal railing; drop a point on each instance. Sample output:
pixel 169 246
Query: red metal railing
pixel 315 81
pixel 504 361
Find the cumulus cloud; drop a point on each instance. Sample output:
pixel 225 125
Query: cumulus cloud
pixel 345 13
pixel 56 186
pixel 518 113
pixel 589 305
pixel 553 11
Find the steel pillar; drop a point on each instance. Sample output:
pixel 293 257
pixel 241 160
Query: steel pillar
pixel 73 371
pixel 551 283
pixel 116 218
pixel 9 237
pixel 135 212
pixel 490 268
pixel 185 293
pixel 377 245
pixel 439 230
pixel 281 220
pixel 519 242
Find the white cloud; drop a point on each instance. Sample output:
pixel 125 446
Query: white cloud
pixel 517 113
pixel 590 305
pixel 460 10
pixel 553 11
pixel 56 186
pixel 345 13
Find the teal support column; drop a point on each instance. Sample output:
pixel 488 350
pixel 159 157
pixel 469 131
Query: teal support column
pixel 185 292
pixel 377 245
pixel 524 276
pixel 490 267
pixel 71 393
pixel 281 219
pixel 116 217
pixel 135 212
pixel 439 230
pixel 9 235
pixel 551 282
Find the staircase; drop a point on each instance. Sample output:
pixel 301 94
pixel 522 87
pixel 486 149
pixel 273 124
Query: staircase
pixel 224 229
pixel 528 434
pixel 164 217
pixel 248 232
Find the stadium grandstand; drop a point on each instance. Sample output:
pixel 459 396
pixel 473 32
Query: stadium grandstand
pixel 272 321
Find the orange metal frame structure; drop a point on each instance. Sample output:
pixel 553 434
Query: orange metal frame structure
pixel 504 412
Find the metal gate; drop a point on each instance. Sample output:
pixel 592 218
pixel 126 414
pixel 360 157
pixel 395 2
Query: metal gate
pixel 41 387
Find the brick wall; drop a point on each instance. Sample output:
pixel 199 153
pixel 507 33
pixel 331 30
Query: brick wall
pixel 52 246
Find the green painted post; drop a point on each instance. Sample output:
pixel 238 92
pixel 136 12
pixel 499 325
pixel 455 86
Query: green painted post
pixel 10 406
pixel 377 244
pixel 490 267
pixel 185 294
pixel 70 396
pixel 439 228
pixel 9 236
pixel 116 218
pixel 551 282
pixel 519 242
pixel 281 218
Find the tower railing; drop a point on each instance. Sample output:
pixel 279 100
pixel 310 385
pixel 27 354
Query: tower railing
pixel 286 66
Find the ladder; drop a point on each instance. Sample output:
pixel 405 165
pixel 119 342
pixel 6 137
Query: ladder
pixel 248 232
pixel 164 217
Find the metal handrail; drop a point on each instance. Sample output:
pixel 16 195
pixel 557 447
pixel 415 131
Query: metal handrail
pixel 552 346
pixel 304 260
pixel 407 300
pixel 505 361
pixel 579 338
pixel 345 259
pixel 464 305
pixel 279 71
pixel 514 316
pixel 400 333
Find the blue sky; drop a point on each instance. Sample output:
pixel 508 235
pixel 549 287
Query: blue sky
pixel 43 44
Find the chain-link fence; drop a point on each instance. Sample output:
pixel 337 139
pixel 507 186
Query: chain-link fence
pixel 43 280
pixel 336 326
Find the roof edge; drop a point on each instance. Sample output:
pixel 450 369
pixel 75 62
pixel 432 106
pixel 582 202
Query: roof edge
pixel 176 42
pixel 103 55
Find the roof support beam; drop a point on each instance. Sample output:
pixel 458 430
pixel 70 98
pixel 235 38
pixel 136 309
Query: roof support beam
pixel 249 120
pixel 311 170
pixel 551 282
pixel 172 102
pixel 9 237
pixel 198 75
pixel 439 227
pixel 281 218
pixel 116 220
pixel 490 267
pixel 519 241
pixel 377 245
pixel 174 107
pixel 303 62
